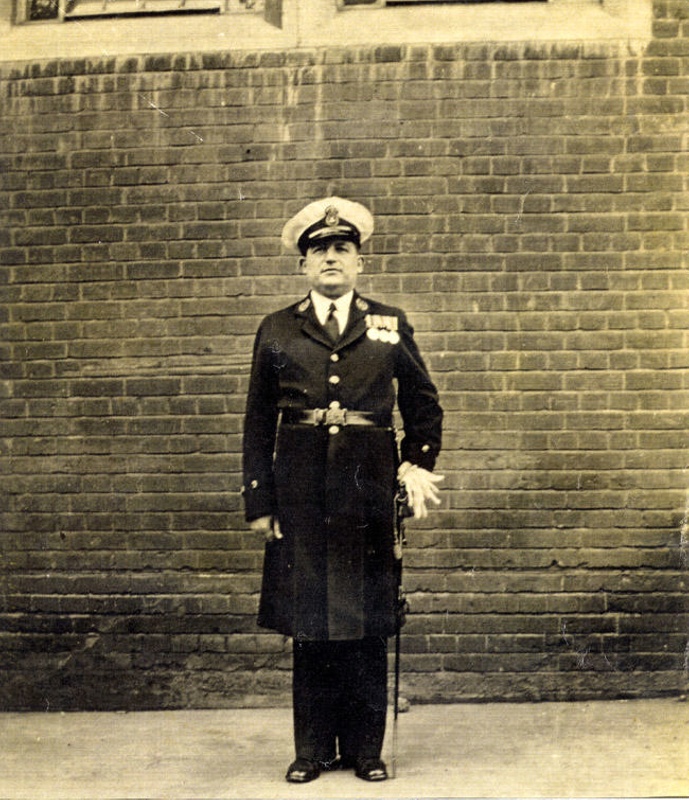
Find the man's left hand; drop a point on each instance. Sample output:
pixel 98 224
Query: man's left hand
pixel 421 487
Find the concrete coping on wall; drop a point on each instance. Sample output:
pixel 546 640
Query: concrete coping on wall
pixel 320 23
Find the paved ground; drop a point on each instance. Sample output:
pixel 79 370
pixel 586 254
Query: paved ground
pixel 599 749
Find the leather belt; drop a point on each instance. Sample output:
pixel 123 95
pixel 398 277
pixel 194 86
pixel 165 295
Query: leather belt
pixel 335 415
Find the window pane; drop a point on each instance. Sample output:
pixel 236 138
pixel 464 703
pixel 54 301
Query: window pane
pixel 435 2
pixel 42 9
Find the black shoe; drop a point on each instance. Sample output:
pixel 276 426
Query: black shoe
pixel 371 769
pixel 302 771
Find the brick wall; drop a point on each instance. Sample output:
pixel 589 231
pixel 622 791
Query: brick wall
pixel 531 214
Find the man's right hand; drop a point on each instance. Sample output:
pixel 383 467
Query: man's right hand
pixel 268 526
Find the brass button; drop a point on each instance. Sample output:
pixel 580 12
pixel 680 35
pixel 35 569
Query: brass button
pixel 334 379
pixel 333 429
pixel 334 357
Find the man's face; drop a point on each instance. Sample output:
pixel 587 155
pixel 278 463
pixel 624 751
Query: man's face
pixel 332 266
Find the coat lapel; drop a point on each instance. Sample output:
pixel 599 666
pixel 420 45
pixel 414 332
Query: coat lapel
pixel 356 325
pixel 310 324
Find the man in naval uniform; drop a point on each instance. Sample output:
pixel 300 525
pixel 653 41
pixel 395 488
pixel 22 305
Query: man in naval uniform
pixel 321 466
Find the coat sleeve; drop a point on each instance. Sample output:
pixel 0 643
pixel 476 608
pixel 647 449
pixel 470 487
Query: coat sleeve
pixel 260 425
pixel 417 399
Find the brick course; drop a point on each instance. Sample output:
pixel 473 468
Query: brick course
pixel 530 203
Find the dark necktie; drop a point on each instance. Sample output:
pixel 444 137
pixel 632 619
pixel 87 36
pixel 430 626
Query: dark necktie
pixel 331 325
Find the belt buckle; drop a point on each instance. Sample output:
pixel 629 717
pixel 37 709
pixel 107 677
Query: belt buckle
pixel 335 416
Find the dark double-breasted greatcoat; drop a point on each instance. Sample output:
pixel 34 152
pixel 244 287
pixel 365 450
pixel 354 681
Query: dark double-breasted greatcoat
pixel 331 485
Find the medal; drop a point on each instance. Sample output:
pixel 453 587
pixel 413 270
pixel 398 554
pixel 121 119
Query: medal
pixel 382 329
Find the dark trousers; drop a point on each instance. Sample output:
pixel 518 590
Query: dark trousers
pixel 340 697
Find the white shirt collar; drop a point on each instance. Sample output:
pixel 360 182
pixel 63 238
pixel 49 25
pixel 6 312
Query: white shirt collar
pixel 321 306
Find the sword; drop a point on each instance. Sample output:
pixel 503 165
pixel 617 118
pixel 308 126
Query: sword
pixel 402 511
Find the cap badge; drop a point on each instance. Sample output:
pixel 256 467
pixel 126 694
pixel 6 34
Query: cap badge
pixel 332 216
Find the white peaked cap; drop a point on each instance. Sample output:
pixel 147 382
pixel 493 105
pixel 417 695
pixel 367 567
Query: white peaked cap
pixel 327 218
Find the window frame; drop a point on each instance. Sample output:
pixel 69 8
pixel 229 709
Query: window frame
pixel 87 10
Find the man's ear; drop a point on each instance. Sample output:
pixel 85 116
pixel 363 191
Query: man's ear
pixel 360 266
pixel 302 263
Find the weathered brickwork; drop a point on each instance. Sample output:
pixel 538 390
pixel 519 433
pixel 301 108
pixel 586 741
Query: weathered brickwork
pixel 531 207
